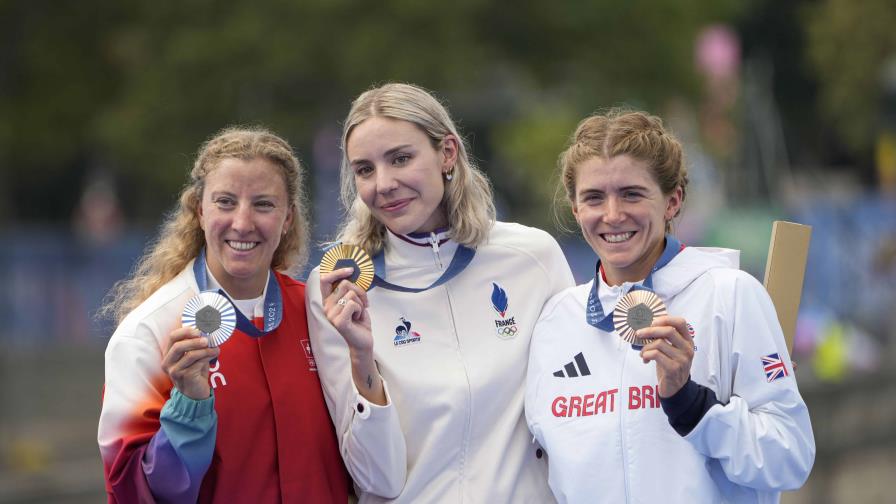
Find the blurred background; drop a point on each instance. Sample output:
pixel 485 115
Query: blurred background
pixel 787 110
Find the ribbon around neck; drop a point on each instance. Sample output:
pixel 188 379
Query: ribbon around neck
pixel 462 257
pixel 594 312
pixel 273 301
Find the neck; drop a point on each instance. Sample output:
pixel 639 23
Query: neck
pixel 240 289
pixel 638 270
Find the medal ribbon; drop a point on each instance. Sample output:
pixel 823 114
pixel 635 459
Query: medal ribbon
pixel 273 302
pixel 594 313
pixel 462 257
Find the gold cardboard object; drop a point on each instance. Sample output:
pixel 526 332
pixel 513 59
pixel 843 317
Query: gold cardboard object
pixel 784 272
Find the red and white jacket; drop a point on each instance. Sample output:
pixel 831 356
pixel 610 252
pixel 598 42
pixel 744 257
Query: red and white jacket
pixel 265 436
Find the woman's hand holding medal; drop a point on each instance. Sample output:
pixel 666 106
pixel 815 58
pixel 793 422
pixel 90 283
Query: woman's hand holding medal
pixel 345 306
pixel 346 272
pixel 673 351
pixel 186 361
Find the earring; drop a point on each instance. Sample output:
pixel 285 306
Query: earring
pixel 449 175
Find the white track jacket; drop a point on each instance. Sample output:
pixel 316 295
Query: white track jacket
pixel 454 360
pixel 593 404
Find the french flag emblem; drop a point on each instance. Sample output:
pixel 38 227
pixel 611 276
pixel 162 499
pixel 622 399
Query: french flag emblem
pixel 774 367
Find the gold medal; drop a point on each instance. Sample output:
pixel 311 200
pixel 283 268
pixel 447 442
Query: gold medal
pixel 212 314
pixel 349 256
pixel 636 310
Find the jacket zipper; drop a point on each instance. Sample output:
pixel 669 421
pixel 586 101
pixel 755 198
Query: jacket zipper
pixel 622 435
pixel 434 242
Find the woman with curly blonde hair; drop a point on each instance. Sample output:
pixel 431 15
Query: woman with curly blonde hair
pixel 186 421
pixel 447 325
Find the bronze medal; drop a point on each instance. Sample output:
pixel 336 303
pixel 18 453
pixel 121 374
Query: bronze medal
pixel 637 310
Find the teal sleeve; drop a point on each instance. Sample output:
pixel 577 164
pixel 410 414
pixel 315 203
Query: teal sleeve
pixel 181 452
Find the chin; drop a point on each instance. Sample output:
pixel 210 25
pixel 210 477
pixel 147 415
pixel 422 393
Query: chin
pixel 401 227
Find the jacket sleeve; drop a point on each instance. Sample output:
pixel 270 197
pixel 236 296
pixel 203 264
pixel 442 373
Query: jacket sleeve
pixel 370 436
pixel 534 372
pixel 559 278
pixel 180 453
pixel 761 437
pixel 559 275
pixel 146 457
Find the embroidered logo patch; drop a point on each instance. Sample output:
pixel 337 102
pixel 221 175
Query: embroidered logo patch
pixel 505 325
pixel 774 367
pixel 306 346
pixel 404 335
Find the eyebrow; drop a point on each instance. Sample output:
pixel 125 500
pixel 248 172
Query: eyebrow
pixel 388 153
pixel 620 189
pixel 234 195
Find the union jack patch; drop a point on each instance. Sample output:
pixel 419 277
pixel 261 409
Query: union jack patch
pixel 774 367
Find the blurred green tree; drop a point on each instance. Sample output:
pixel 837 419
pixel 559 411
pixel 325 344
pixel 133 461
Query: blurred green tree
pixel 134 89
pixel 848 45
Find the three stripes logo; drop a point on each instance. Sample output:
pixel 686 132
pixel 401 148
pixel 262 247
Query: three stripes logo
pixel 578 367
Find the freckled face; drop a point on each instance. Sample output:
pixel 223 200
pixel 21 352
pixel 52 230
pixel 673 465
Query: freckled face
pixel 622 213
pixel 398 173
pixel 244 212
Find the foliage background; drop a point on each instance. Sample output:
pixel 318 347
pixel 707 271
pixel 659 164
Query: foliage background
pixel 103 105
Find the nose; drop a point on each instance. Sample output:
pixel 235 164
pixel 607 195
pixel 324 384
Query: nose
pixel 385 180
pixel 242 219
pixel 614 212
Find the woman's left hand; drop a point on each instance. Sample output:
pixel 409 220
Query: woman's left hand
pixel 673 351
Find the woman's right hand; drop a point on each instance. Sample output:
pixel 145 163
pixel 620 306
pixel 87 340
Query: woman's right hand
pixel 187 362
pixel 345 306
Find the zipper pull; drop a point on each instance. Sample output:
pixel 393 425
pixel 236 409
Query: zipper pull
pixel 434 242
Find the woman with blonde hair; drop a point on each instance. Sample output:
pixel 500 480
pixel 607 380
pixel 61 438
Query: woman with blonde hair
pixel 184 420
pixel 423 374
pixel 666 378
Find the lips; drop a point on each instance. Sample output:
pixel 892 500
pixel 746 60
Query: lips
pixel 396 205
pixel 617 237
pixel 241 246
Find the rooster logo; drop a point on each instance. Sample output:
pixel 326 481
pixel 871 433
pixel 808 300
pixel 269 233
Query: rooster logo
pixel 404 334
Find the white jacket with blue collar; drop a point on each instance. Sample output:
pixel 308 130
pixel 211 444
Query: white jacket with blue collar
pixel 453 359
pixel 739 431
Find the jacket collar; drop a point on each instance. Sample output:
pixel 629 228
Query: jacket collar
pixel 417 250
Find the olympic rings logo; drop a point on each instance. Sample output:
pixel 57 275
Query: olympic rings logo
pixel 506 332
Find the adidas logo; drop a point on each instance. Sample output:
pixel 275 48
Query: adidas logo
pixel 578 367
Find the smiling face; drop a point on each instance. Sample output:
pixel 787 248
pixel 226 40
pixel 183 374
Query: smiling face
pixel 623 212
pixel 244 213
pixel 398 174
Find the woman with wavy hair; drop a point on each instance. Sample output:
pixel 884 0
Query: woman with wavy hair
pixel 665 378
pixel 187 421
pixel 423 374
